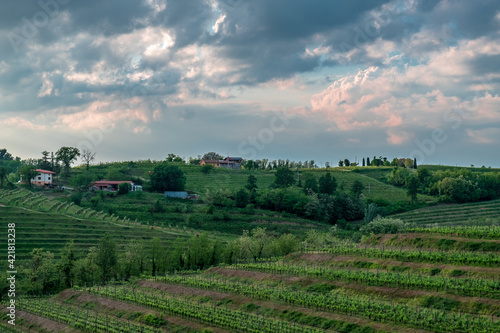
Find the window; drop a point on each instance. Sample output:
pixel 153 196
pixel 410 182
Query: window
pixel 39 178
pixel 48 178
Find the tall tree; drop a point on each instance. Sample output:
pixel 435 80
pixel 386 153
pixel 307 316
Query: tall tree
pixel 167 177
pixel 310 184
pixel 5 156
pixel 364 162
pixel 357 188
pixel 45 164
pixel 327 184
pixel 106 258
pixel 341 163
pixel 88 157
pixel 284 177
pixel 412 185
pixel 3 174
pixel 368 161
pixel 66 264
pixel 67 155
pixel 251 184
pixel 347 162
pixel 414 163
pixel 28 172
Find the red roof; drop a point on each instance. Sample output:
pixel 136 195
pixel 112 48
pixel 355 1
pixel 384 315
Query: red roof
pixel 45 171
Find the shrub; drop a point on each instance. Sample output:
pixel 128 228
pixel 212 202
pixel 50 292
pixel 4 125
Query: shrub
pixel 207 168
pixel 124 188
pixel 76 197
pixel 372 211
pixel 382 225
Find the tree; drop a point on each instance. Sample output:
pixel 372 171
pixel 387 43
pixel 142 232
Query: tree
pixel 167 177
pixel 174 158
pixel 40 275
pixel 341 163
pixel 106 258
pixel 327 184
pixel 364 162
pixel 88 157
pixel 67 155
pixel 414 163
pixel 251 184
pixel 212 156
pixel 242 198
pixel 66 264
pixel 28 172
pixel 310 184
pixel 45 164
pixel 368 161
pixel 5 156
pixel 357 188
pixel 284 177
pixel 412 185
pixel 124 188
pixel 3 174
pixel 207 168
pixel 347 162
pixel 409 163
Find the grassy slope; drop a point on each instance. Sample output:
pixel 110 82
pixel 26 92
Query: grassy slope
pixel 453 213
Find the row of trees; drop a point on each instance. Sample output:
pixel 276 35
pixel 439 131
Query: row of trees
pixel 456 186
pixel 109 261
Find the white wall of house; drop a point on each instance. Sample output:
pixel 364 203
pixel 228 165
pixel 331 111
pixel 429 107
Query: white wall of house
pixel 42 178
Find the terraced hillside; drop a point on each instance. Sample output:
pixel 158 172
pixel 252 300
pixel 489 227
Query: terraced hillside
pixel 340 287
pixel 454 214
pixel 50 224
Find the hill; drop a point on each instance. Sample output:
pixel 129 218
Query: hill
pixel 337 287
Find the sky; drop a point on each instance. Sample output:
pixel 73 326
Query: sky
pixel 318 80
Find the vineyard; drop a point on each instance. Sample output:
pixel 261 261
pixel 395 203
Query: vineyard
pixel 343 287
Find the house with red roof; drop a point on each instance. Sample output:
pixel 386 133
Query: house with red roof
pixel 112 185
pixel 44 177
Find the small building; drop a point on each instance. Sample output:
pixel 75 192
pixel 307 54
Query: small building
pixel 44 177
pixel 180 195
pixel 228 163
pixel 112 185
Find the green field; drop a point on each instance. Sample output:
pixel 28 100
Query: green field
pixel 454 214
pixel 341 287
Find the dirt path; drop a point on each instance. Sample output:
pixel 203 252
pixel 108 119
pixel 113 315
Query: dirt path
pixel 325 257
pixel 388 237
pixel 111 305
pixel 46 324
pixel 387 292
pixel 239 300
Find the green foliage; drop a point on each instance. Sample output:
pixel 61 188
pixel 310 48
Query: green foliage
pixel 251 184
pixel 440 303
pixel 412 185
pixel 372 211
pixel 398 176
pixel 327 184
pixel 284 177
pixel 219 198
pixel 357 188
pixel 28 172
pixel 76 197
pixel 106 258
pixel 207 168
pixel 67 155
pixel 382 225
pixel 167 177
pixel 124 188
pixel 310 184
pixel 242 198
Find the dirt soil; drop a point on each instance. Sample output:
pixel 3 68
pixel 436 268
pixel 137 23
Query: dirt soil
pixel 381 291
pixel 325 257
pixel 111 305
pixel 46 324
pixel 239 300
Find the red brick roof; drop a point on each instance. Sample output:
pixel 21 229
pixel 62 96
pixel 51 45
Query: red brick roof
pixel 45 171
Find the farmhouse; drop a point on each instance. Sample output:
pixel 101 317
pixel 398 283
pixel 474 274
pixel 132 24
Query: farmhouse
pixel 43 178
pixel 112 185
pixel 228 163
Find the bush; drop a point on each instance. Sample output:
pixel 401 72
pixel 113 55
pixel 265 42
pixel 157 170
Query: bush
pixel 77 197
pixel 382 225
pixel 207 168
pixel 373 211
pixel 124 188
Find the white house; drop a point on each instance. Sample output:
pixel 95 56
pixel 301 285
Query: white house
pixel 44 177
